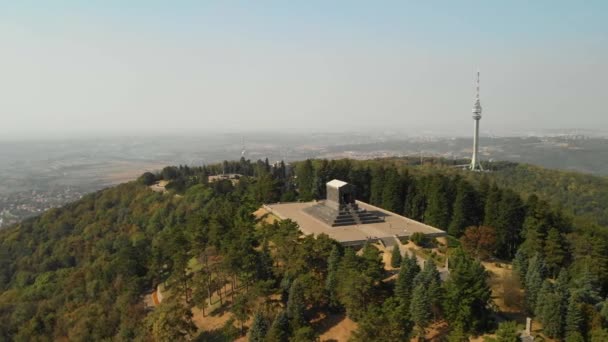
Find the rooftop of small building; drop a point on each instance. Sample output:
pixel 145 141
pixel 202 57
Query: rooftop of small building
pixel 392 224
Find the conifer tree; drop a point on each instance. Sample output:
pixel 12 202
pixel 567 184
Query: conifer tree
pixel 279 330
pixel 554 252
pixel 405 281
pixel 550 310
pixel 491 208
pixel 508 332
pixel 396 257
pixel 392 192
pixel 259 328
pixel 377 186
pixel 520 264
pixel 296 305
pixel 554 315
pixel 430 278
pixel 545 290
pixel 320 179
pixel 599 335
pixel 464 212
pixel 508 223
pixel 305 178
pixel 574 318
pixel 331 283
pixel 534 280
pixel 438 210
pixel 467 295
pixel 420 309
pixel 457 334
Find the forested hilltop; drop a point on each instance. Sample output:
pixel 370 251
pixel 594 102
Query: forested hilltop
pixel 82 272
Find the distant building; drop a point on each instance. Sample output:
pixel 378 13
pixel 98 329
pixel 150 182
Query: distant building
pixel 233 177
pixel 347 220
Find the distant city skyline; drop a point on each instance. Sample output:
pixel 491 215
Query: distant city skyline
pixel 73 68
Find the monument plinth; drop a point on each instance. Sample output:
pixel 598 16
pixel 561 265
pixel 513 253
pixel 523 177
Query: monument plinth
pixel 340 207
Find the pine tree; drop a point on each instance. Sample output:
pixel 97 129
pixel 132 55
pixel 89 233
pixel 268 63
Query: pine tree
pixel 535 226
pixel 392 192
pixel 575 336
pixel 320 179
pixel 541 302
pixel 393 319
pixel 520 264
pixel 586 288
pixel 599 335
pixel 574 318
pixel 507 332
pixel 491 208
pixel 259 328
pixel 331 283
pixel 296 305
pixel 405 281
pixel 457 334
pixel 396 257
pixel 305 177
pixel 377 186
pixel 550 310
pixel 438 210
pixel 279 330
pixel 420 309
pixel 467 295
pixel 508 223
pixel 465 210
pixel 429 277
pixel 534 280
pixel 554 252
pixel 554 315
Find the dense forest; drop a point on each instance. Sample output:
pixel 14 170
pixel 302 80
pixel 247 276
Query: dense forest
pixel 79 273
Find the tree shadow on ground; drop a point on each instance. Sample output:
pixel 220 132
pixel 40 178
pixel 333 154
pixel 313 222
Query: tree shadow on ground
pixel 327 321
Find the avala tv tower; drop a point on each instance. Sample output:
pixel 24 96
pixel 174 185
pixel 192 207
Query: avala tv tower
pixel 475 165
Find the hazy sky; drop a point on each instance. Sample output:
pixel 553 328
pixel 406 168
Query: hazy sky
pixel 70 67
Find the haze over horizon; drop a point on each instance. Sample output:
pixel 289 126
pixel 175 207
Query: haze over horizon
pixel 74 68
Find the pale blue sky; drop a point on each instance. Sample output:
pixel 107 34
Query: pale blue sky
pixel 189 66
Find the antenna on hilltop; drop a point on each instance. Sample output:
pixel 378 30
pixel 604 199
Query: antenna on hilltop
pixel 475 165
pixel 243 150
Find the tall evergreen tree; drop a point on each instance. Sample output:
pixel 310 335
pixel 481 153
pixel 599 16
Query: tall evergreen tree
pixel 279 330
pixel 391 317
pixel 508 332
pixel 304 179
pixel 296 305
pixel 534 280
pixel 545 290
pixel 520 264
pixel 331 282
pixel 420 309
pixel 467 295
pixel 508 223
pixel 396 257
pixel 320 179
pixel 438 210
pixel 259 328
pixel 551 310
pixel 465 210
pixel 574 317
pixel 392 192
pixel 554 252
pixel 492 206
pixel 405 281
pixel 377 186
